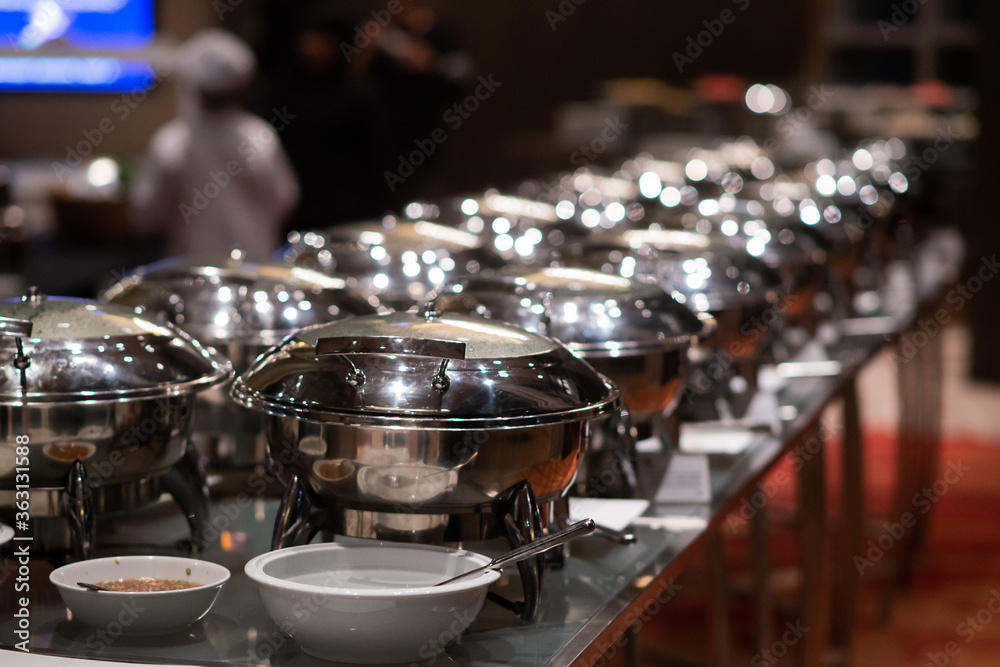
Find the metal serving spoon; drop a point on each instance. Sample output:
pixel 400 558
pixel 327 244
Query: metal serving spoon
pixel 578 529
pixel 93 587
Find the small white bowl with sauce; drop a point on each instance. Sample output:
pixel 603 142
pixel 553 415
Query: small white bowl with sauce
pixel 371 602
pixel 137 610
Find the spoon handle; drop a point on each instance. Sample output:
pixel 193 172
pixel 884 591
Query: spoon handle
pixel 532 548
pixel 535 547
pixel 93 587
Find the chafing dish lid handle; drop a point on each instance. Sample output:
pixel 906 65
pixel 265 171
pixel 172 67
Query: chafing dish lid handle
pixel 419 347
pixel 10 326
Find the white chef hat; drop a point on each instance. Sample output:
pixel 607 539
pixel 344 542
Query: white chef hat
pixel 216 61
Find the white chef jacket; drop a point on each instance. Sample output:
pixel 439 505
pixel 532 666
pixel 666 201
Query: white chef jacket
pixel 214 182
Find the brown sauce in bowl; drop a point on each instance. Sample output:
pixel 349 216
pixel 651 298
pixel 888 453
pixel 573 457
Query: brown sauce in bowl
pixel 147 584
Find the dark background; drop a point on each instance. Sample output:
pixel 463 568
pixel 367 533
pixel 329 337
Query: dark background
pixel 793 43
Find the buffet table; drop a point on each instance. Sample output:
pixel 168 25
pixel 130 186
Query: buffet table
pixel 604 589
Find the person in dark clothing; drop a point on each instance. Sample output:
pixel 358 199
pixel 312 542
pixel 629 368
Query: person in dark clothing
pixel 418 62
pixel 338 135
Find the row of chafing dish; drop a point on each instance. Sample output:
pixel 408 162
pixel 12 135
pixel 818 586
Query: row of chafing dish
pixel 439 375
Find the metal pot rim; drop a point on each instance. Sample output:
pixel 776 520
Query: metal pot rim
pixel 631 348
pixel 435 421
pixel 116 396
pixel 107 354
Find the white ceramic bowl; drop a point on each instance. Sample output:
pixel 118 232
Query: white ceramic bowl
pixel 140 613
pixel 371 602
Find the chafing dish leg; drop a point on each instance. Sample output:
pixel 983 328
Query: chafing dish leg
pixel 609 472
pixel 670 433
pixel 79 510
pixel 186 482
pixel 523 524
pixel 293 515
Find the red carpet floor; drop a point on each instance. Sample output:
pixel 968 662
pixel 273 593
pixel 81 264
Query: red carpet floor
pixel 949 614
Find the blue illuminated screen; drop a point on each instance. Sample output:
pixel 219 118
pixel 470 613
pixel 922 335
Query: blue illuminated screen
pixel 75 45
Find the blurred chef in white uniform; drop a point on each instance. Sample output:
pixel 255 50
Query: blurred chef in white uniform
pixel 216 177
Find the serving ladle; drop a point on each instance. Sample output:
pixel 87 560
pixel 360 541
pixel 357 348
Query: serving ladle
pixel 533 548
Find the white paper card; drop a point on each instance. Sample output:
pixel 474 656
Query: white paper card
pixel 613 513
pixel 686 480
pixel 715 440
pixel 651 445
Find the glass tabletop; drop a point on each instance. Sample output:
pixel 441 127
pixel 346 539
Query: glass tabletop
pixel 599 583
pixel 238 631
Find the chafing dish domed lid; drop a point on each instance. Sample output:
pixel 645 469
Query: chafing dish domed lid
pixel 704 274
pixel 780 243
pixel 399 261
pixel 439 371
pixel 81 350
pixel 593 313
pixel 489 205
pixel 220 298
pixel 511 227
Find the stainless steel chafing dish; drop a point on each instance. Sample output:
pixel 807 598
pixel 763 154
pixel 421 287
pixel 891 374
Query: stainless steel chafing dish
pixel 711 194
pixel 397 261
pixel 797 253
pixel 105 397
pixel 741 293
pixel 633 332
pixel 687 161
pixel 840 202
pixel 627 197
pixel 241 309
pixel 380 398
pixel 515 228
pixel 853 208
pixel 430 428
pixel 589 199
